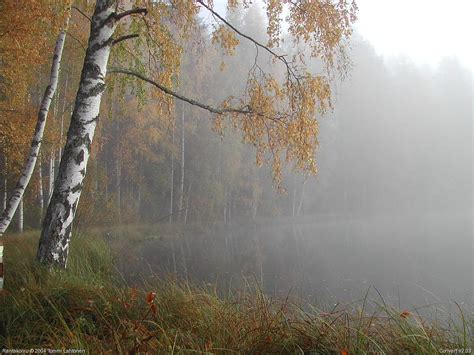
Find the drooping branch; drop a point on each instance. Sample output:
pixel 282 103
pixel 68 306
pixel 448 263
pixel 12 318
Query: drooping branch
pixel 138 10
pixel 124 38
pixel 220 111
pixel 253 40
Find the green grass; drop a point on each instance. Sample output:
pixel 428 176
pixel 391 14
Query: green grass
pixel 89 307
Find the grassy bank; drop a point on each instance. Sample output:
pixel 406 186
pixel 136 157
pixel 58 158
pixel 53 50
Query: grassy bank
pixel 90 307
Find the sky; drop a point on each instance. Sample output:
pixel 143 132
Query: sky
pixel 423 30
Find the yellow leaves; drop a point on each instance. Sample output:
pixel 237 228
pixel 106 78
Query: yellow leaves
pixel 274 11
pixel 225 38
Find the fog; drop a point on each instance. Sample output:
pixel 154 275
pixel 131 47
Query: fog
pixel 390 209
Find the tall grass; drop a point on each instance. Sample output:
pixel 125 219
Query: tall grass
pixel 90 307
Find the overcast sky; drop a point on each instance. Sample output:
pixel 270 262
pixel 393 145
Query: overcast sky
pixel 424 30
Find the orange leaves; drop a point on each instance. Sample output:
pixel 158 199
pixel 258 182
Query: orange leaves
pixel 405 314
pixel 150 297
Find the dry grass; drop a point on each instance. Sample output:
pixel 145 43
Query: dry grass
pixel 89 307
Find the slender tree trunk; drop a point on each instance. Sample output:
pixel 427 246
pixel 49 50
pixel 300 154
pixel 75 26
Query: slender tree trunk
pixel 1 265
pixel 174 256
pixel 20 216
pixel 53 248
pixel 187 202
pixel 181 188
pixel 185 266
pixel 300 206
pixel 37 138
pixel 40 189
pixel 5 184
pixel 172 183
pixel 51 177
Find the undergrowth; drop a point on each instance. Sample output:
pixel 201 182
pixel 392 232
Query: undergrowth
pixel 90 307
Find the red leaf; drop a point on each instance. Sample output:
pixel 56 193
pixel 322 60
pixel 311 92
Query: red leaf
pixel 150 297
pixel 153 309
pixel 405 314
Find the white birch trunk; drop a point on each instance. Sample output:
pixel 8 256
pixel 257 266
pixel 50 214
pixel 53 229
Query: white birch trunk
pixel 37 138
pixel 1 265
pixel 181 188
pixel 51 177
pixel 40 189
pixel 53 248
pixel 20 217
pixel 5 185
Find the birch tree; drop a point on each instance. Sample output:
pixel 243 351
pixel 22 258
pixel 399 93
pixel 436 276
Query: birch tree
pixel 277 112
pixel 17 194
pixel 53 246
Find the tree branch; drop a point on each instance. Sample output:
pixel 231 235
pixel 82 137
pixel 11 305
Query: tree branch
pixel 261 45
pixel 138 10
pixel 123 38
pixel 244 110
pixel 76 39
pixel 81 12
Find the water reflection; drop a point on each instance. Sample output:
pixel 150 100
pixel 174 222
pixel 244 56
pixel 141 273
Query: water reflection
pixel 324 259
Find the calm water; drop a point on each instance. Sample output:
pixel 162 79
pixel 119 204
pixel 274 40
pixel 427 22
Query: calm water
pixel 411 260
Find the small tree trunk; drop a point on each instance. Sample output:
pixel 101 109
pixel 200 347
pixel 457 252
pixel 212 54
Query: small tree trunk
pixel 27 172
pixel 174 256
pixel 300 206
pixel 20 217
pixel 51 177
pixel 187 202
pixel 53 249
pixel 40 189
pixel 5 185
pixel 181 188
pixel 185 266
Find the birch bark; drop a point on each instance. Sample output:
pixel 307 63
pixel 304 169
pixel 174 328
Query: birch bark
pixel 53 248
pixel 25 177
pixel 20 216
pixel 40 189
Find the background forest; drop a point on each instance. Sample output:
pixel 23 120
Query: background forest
pixel 189 236
pixel 386 147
